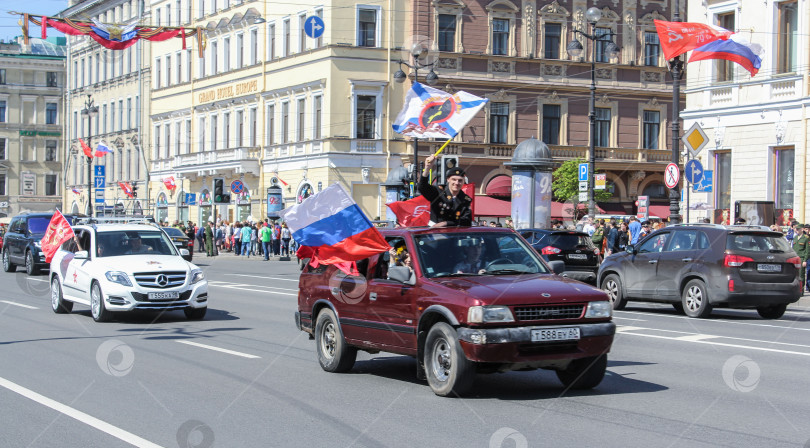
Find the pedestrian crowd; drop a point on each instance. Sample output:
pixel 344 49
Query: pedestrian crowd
pixel 262 238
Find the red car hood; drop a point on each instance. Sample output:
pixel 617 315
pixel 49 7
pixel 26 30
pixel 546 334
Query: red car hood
pixel 522 289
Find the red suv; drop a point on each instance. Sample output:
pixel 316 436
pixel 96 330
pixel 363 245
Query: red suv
pixel 462 301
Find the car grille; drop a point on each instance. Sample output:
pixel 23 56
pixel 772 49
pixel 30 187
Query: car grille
pixel 150 279
pixel 141 297
pixel 549 312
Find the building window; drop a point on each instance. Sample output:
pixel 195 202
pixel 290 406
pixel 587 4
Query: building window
pixel 271 125
pixel 240 128
pixel 157 17
pixel 3 148
pixel 603 34
pixel 50 113
pixel 285 122
pixel 188 136
pixel 50 184
pixel 50 150
pixel 367 28
pixel 319 41
pixel 302 36
pixel 724 70
pixel 498 122
pixel 214 54
pixel 240 51
pixel 500 36
pixel 75 119
pixel 188 65
pixel 177 134
pixel 551 124
pixel 254 46
pixel 655 191
pixel 286 38
pixel 2 184
pixel 366 115
pixel 50 78
pixel 157 73
pixel 301 119
pixel 722 169
pixel 227 130
pixel 201 137
pixel 112 117
pixel 157 142
pixel 179 58
pixel 652 126
pixel 784 177
pixel 602 137
pixel 652 48
pixel 253 118
pixel 3 75
pixel 316 119
pixel 129 113
pixel 271 44
pixel 551 40
pixel 168 71
pixel 447 32
pixel 120 115
pixel 214 142
pixel 787 37
pixel 226 44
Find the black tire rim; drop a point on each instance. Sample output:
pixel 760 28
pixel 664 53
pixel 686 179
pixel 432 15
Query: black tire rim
pixel 441 360
pixel 329 340
pixel 694 298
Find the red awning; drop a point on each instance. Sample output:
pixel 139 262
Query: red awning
pixel 500 187
pixel 487 206
pixel 561 210
pixel 661 211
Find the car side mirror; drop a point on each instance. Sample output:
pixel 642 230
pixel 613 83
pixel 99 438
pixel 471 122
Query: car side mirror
pixel 184 252
pixel 401 274
pixel 81 255
pixel 557 266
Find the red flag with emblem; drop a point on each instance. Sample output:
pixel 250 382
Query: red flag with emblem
pixel 169 183
pixel 86 148
pixel 126 188
pixel 58 232
pixel 677 38
pixel 413 212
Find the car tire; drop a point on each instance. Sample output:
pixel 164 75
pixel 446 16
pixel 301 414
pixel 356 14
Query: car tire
pixel 30 267
pixel 772 312
pixel 334 354
pixel 584 373
pixel 612 285
pixel 448 370
pixel 58 302
pixel 678 307
pixel 97 308
pixel 695 299
pixel 8 266
pixel 195 313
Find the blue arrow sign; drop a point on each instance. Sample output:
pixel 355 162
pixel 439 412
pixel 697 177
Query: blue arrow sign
pixel 694 171
pixel 705 185
pixel 314 27
pixel 583 172
pixel 191 198
pixel 100 182
pixel 100 170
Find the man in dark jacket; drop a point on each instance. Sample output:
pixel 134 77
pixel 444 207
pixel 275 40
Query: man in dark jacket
pixel 613 236
pixel 449 206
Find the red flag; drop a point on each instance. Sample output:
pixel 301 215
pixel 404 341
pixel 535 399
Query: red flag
pixel 127 188
pixel 469 190
pixel 348 267
pixel 677 38
pixel 87 150
pixel 169 183
pixel 58 232
pixel 413 212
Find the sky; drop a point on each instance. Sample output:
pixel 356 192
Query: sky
pixel 9 28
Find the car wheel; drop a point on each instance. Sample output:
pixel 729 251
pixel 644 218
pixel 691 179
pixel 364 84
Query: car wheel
pixel 8 266
pixel 30 267
pixel 97 308
pixel 678 307
pixel 58 302
pixel 195 313
pixel 695 299
pixel 772 312
pixel 448 369
pixel 613 287
pixel 585 373
pixel 334 354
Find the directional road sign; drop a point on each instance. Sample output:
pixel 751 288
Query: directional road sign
pixel 695 139
pixel 99 170
pixel 191 198
pixel 100 182
pixel 672 175
pixel 237 186
pixel 693 171
pixel 705 186
pixel 314 27
pixel 583 172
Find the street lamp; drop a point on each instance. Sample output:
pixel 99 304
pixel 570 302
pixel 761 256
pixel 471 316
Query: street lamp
pixel 575 48
pixel 90 111
pixel 419 52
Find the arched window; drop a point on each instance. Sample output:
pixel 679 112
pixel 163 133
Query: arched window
pixel 182 207
pixel 655 190
pixel 205 206
pixel 243 205
pixel 304 191
pixel 162 208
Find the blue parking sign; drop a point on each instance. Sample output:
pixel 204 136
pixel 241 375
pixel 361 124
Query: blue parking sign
pixel 583 172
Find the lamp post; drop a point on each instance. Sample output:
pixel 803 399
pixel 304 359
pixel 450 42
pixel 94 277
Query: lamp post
pixel 592 15
pixel 676 68
pixel 90 111
pixel 419 51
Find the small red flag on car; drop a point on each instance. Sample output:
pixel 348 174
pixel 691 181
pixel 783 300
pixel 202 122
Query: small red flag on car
pixel 58 232
pixel 413 212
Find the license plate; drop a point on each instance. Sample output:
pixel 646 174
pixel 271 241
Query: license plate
pixel 556 334
pixel 164 295
pixel 578 256
pixel 769 267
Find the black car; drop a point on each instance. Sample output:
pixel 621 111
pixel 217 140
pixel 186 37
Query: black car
pixel 21 244
pixel 697 267
pixel 180 240
pixel 575 249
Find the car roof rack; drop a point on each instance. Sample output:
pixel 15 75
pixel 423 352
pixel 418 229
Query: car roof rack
pixel 749 226
pixel 146 220
pixel 698 224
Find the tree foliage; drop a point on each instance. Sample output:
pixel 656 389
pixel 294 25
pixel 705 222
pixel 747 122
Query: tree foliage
pixel 565 183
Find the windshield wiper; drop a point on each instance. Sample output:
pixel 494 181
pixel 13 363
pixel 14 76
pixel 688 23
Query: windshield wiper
pixel 455 274
pixel 507 271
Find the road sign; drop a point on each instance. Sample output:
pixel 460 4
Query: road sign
pixel 695 139
pixel 3 204
pixel 314 27
pixel 99 200
pixel 583 172
pixel 191 198
pixel 672 175
pixel 100 170
pixel 583 185
pixel 583 196
pixel 643 211
pixel 599 181
pixel 237 186
pixel 693 171
pixel 705 185
pixel 100 182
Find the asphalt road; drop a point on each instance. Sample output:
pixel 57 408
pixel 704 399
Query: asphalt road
pixel 246 377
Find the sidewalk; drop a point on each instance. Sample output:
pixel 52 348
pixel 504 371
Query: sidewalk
pixel 223 254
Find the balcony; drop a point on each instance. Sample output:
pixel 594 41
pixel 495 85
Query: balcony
pixel 242 158
pixel 292 149
pixel 558 152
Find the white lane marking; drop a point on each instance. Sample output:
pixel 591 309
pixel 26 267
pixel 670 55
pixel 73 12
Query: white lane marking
pixel 241 288
pixel 623 328
pixel 37 279
pixel 692 337
pixel 773 350
pixel 89 420
pixel 628 318
pixel 722 321
pixel 265 278
pixel 695 337
pixel 223 350
pixel 219 282
pixel 20 305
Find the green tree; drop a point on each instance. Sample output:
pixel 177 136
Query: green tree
pixel 565 183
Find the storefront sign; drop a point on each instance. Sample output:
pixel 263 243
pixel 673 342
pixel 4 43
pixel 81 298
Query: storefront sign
pixel 40 133
pixel 223 93
pixel 29 184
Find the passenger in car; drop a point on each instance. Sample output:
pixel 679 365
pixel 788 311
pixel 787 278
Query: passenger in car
pixel 472 263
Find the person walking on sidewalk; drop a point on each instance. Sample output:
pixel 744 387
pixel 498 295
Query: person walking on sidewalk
pixel 266 235
pixel 209 240
pixel 254 239
pixel 286 236
pixel 246 240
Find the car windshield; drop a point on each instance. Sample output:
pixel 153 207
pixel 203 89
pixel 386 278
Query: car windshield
pixel 173 231
pixel 38 225
pixel 565 240
pixel 757 242
pixel 133 242
pixel 476 253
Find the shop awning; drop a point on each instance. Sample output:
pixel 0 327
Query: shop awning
pixel 500 187
pixel 660 211
pixel 487 206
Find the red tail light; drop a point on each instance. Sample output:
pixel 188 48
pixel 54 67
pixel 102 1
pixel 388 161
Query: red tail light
pixel 550 250
pixel 796 262
pixel 731 285
pixel 733 261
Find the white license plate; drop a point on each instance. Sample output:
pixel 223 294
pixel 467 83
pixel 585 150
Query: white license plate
pixel 556 334
pixel 164 295
pixel 769 267
pixel 578 256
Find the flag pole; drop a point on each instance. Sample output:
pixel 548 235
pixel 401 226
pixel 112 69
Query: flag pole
pixel 442 148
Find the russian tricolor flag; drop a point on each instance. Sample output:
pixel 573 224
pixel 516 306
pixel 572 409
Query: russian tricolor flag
pixel 334 226
pixel 102 149
pixel 735 49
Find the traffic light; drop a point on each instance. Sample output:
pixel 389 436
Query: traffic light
pixel 219 192
pixel 448 163
pixel 134 189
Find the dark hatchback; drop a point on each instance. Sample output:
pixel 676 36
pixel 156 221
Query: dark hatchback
pixel 574 249
pixel 180 241
pixel 698 267
pixel 21 244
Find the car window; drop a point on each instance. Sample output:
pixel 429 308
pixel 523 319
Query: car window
pixel 566 240
pixel 70 245
pixel 682 240
pixel 655 243
pixel 756 242
pixel 134 242
pixel 173 231
pixel 703 241
pixel 529 236
pixel 38 225
pixel 15 225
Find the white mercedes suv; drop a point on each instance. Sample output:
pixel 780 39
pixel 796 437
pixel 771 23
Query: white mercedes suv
pixel 125 267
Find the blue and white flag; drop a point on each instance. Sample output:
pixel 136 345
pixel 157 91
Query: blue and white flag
pixel 432 113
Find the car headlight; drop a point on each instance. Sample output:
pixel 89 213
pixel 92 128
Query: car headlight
pixel 599 310
pixel 492 313
pixel 118 277
pixel 197 276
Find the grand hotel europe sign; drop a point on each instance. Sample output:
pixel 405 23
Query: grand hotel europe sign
pixel 229 91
